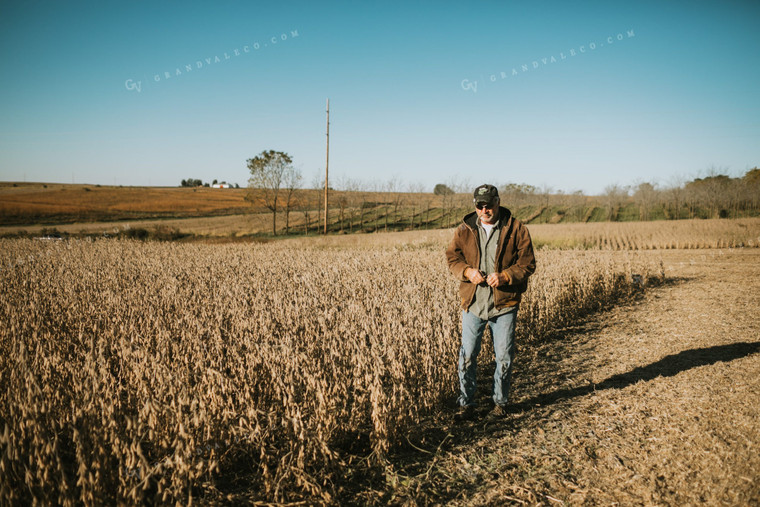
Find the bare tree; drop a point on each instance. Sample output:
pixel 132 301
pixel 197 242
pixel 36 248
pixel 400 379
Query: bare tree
pixel 292 182
pixel 675 196
pixel 710 192
pixel 544 194
pixel 415 191
pixel 317 183
pixel 447 204
pixel 393 187
pixel 342 202
pixel 460 185
pixel 305 208
pixel 462 201
pixel 362 198
pixel 351 188
pixel 614 197
pixel 751 185
pixel 516 195
pixel 267 174
pixel 577 202
pixel 645 196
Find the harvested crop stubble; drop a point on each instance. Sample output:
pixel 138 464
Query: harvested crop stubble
pixel 135 372
pixel 674 234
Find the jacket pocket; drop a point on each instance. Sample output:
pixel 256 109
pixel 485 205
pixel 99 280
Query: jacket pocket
pixel 501 297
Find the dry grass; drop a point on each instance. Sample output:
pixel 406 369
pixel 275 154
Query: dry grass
pixel 675 234
pixel 142 372
pixel 660 235
pixel 216 227
pixel 655 402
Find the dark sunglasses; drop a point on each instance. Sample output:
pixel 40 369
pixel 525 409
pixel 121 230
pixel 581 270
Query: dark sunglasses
pixel 480 205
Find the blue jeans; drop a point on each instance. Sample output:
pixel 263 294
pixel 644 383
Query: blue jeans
pixel 503 331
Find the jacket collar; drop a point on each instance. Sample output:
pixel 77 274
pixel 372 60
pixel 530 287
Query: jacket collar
pixel 471 219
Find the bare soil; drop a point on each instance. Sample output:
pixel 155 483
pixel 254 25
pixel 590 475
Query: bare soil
pixel 653 402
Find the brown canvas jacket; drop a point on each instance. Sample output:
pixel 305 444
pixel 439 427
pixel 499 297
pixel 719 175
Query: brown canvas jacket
pixel 514 258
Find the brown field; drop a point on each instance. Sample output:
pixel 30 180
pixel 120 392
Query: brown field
pixel 676 234
pixel 615 236
pixel 93 208
pixel 322 370
pixel 51 203
pixel 208 213
pixel 672 234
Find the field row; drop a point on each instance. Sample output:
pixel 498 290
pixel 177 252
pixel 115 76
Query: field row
pixel 676 234
pixel 133 372
pixel 673 234
pixel 606 236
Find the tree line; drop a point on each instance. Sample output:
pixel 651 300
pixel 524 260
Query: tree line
pixel 276 185
pixel 713 196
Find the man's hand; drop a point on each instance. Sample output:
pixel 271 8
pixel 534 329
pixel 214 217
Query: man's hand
pixel 496 280
pixel 474 276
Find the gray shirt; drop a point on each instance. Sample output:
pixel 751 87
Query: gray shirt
pixel 483 306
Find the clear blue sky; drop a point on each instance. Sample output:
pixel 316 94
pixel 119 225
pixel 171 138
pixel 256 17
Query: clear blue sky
pixel 639 90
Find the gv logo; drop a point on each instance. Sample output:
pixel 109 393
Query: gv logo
pixel 467 85
pixel 131 85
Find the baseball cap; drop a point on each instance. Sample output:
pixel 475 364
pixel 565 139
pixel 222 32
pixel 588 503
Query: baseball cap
pixel 486 194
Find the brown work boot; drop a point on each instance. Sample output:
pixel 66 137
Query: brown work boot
pixel 498 412
pixel 465 413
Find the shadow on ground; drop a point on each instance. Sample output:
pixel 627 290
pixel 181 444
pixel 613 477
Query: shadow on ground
pixel 410 465
pixel 668 366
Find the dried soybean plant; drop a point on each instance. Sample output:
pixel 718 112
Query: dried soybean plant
pixel 156 372
pixel 666 234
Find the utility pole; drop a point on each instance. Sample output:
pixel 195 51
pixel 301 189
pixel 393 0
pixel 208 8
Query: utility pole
pixel 327 160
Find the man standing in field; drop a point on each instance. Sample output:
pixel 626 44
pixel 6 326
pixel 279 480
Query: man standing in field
pixel 492 257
